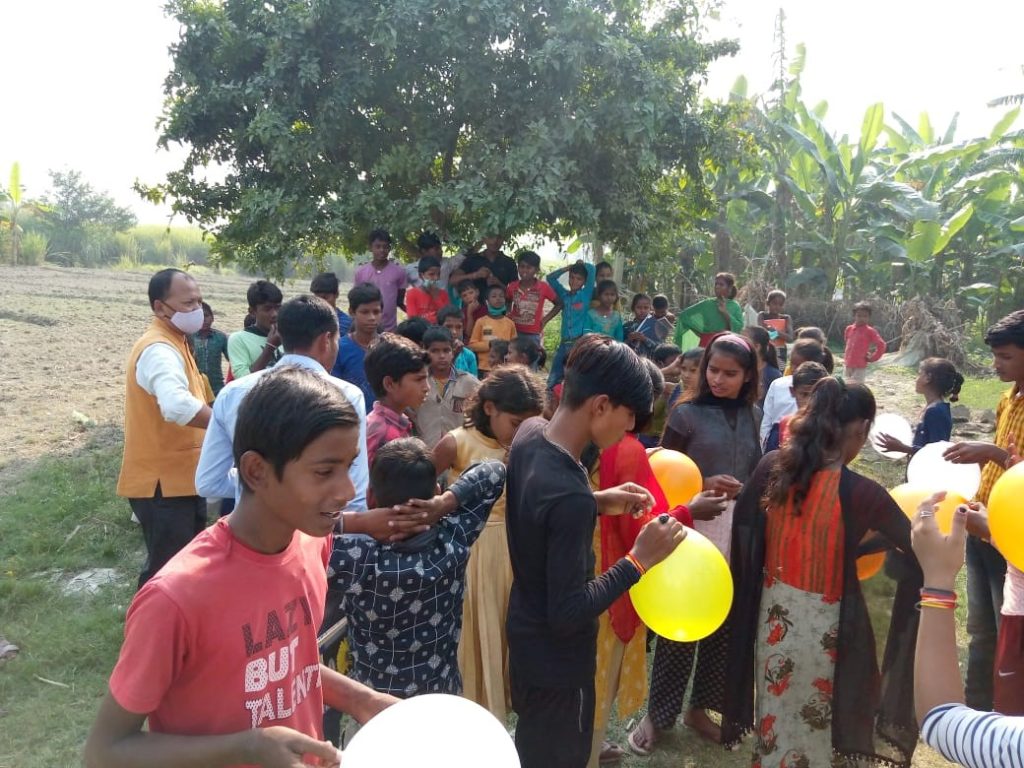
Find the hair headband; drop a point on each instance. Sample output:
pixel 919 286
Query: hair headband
pixel 743 341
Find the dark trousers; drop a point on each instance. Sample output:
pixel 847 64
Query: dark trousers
pixel 670 675
pixel 986 571
pixel 168 524
pixel 556 725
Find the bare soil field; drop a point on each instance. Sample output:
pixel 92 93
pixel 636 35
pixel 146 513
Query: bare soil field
pixel 65 335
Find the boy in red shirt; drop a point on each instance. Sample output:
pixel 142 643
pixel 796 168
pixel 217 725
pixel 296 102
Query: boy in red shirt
pixel 428 297
pixel 397 370
pixel 527 296
pixel 860 338
pixel 220 651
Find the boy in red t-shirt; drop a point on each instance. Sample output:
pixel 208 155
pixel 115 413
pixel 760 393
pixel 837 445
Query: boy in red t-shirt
pixel 526 297
pixel 428 297
pixel 220 649
pixel 863 344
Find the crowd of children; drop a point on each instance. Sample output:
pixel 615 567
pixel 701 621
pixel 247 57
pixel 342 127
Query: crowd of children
pixel 509 516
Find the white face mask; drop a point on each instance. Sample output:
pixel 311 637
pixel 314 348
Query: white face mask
pixel 188 322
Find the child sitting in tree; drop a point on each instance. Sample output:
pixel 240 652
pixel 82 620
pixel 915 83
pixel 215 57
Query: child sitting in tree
pixel 220 647
pixel 864 344
pixel 495 326
pixel 605 318
pixel 404 600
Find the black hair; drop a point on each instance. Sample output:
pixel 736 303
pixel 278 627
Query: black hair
pixel 739 349
pixel 812 332
pixel 435 334
pixel 862 306
pixel 498 348
pixel 693 355
pixel 775 294
pixel 428 240
pixel 763 342
pixel 449 310
pixel 530 349
pixel 284 412
pixel 466 284
pixel 513 389
pixel 207 309
pixel 325 282
pixel 160 284
pixel 664 352
pixel 263 292
pixel 528 257
pixel 599 365
pixel 303 319
pixel 637 297
pixel 428 262
pixel 730 280
pixel 380 234
pixel 413 328
pixel 945 378
pixel 641 420
pixel 393 357
pixel 603 265
pixel 579 268
pixel 492 288
pixel 364 293
pixel 660 301
pixel 1009 330
pixel 808 374
pixel 810 350
pixel 249 320
pixel 816 437
pixel 605 285
pixel 402 469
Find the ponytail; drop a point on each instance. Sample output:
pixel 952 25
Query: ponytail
pixel 945 378
pixel 816 436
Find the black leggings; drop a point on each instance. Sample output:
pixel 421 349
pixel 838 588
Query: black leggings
pixel 673 663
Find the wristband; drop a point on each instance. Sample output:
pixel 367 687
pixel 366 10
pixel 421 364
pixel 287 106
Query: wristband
pixel 937 598
pixel 636 564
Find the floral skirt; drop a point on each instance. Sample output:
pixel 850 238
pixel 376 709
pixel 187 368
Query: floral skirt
pixel 797 639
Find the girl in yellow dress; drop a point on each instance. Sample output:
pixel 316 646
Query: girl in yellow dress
pixel 508 396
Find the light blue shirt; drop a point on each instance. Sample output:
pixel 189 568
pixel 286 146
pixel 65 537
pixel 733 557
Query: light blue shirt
pixel 216 476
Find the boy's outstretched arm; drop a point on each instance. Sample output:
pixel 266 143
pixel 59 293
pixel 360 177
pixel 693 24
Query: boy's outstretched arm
pixel 117 741
pixel 346 695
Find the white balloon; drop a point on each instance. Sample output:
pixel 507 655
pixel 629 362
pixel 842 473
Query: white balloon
pixel 891 424
pixel 432 731
pixel 929 470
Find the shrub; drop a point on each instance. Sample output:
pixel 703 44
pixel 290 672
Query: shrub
pixel 33 248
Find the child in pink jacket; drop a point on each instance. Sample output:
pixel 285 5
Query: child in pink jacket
pixel 864 344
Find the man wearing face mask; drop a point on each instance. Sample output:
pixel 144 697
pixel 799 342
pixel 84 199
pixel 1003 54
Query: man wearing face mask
pixel 165 419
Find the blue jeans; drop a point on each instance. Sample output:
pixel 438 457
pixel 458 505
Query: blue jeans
pixel 986 570
pixel 558 364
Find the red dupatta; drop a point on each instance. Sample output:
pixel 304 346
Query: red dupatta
pixel 625 462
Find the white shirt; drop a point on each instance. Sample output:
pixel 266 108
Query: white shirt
pixel 160 371
pixel 975 739
pixel 778 402
pixel 216 476
pixel 1013 592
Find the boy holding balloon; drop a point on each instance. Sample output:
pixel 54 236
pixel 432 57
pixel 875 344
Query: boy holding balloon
pixel 986 567
pixel 551 515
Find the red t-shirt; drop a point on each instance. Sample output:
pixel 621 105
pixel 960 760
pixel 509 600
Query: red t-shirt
pixel 420 303
pixel 223 639
pixel 527 305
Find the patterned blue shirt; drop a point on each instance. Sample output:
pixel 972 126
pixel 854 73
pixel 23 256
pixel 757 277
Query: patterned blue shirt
pixel 404 608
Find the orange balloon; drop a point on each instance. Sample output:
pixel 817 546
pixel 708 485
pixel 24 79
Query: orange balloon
pixel 909 498
pixel 1005 521
pixel 677 475
pixel 869 565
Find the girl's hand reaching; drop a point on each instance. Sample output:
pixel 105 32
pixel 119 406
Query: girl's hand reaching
pixel 726 484
pixel 707 505
pixel 889 443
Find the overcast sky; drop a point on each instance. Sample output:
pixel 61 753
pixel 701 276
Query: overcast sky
pixel 83 84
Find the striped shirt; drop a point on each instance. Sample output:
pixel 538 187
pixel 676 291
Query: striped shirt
pixel 1009 425
pixel 975 739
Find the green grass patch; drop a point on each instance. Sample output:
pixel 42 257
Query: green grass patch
pixel 978 393
pixel 59 519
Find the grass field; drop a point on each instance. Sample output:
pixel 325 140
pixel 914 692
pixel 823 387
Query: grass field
pixel 65 335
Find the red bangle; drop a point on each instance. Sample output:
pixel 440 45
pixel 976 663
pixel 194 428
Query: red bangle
pixel 636 564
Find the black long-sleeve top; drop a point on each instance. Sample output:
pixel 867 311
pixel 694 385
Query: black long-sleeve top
pixel 555 601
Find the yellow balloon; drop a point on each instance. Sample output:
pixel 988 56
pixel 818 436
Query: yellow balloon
pixel 1006 515
pixel 869 565
pixel 909 498
pixel 677 475
pixel 687 596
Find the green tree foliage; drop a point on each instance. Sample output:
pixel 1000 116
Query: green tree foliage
pixel 330 117
pixel 80 219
